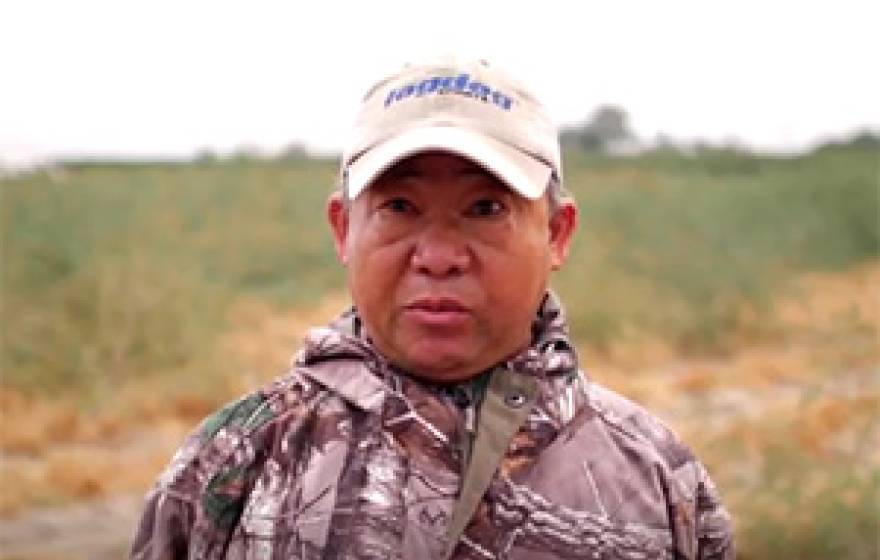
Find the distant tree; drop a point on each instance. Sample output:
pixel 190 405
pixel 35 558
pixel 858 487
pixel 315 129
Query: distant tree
pixel 607 126
pixel 205 155
pixel 294 150
pixel 865 138
pixel 861 139
pixel 665 143
pixel 246 152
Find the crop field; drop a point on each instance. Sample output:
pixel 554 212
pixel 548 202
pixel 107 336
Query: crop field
pixel 734 294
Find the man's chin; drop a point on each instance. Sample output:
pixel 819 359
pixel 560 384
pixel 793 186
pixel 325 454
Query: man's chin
pixel 438 368
pixel 444 378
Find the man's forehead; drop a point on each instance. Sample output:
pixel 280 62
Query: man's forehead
pixel 438 164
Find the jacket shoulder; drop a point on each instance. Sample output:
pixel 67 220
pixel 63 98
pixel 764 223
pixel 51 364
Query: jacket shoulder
pixel 702 525
pixel 198 498
pixel 633 421
pixel 253 410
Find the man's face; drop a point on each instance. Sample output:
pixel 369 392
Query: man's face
pixel 446 265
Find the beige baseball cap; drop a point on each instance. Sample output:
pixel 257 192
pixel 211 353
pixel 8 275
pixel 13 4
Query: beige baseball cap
pixel 465 107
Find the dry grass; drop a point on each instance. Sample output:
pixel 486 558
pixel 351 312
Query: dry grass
pixel 265 337
pixel 825 324
pixel 788 425
pixel 65 452
pixel 53 451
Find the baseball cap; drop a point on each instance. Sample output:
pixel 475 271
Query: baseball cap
pixel 465 107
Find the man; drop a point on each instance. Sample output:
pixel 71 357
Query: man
pixel 444 415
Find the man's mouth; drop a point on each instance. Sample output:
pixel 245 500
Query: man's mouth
pixel 438 305
pixel 438 311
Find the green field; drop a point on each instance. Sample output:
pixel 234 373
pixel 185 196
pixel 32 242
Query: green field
pixel 112 271
pixel 116 273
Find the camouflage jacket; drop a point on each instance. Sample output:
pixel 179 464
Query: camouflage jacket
pixel 348 457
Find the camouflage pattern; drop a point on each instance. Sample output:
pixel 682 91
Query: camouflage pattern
pixel 348 457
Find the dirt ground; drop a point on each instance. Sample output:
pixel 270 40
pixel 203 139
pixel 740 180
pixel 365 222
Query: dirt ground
pixel 94 530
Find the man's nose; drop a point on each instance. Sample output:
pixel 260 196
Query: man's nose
pixel 441 251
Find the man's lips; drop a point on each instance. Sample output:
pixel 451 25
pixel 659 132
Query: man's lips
pixel 438 311
pixel 438 305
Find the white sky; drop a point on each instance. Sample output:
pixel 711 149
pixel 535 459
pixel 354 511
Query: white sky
pixel 158 77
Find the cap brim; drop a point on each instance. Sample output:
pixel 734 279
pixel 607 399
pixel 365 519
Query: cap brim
pixel 521 172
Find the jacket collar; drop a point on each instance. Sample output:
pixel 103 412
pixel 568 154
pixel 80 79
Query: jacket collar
pixel 360 373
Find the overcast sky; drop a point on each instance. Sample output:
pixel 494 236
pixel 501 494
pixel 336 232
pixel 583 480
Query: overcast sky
pixel 168 78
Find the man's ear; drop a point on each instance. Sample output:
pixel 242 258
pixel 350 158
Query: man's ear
pixel 563 224
pixel 337 216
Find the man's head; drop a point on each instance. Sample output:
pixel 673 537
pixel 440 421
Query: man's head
pixel 444 220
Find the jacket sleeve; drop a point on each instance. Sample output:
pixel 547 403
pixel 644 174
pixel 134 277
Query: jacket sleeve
pixel 169 514
pixel 164 529
pixel 714 529
pixel 196 501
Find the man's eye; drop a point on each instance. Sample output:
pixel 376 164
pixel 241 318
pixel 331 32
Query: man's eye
pixel 486 207
pixel 398 205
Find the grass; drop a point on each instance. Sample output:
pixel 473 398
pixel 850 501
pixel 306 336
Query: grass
pixel 678 246
pixel 805 485
pixel 115 272
pixel 124 286
pixel 787 425
pixel 119 271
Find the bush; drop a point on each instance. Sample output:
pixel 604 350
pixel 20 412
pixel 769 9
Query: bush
pixel 673 249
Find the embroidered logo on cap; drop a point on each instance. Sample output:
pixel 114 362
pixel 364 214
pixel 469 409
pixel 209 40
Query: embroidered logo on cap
pixel 460 85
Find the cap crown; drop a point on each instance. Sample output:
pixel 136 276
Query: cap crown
pixel 449 93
